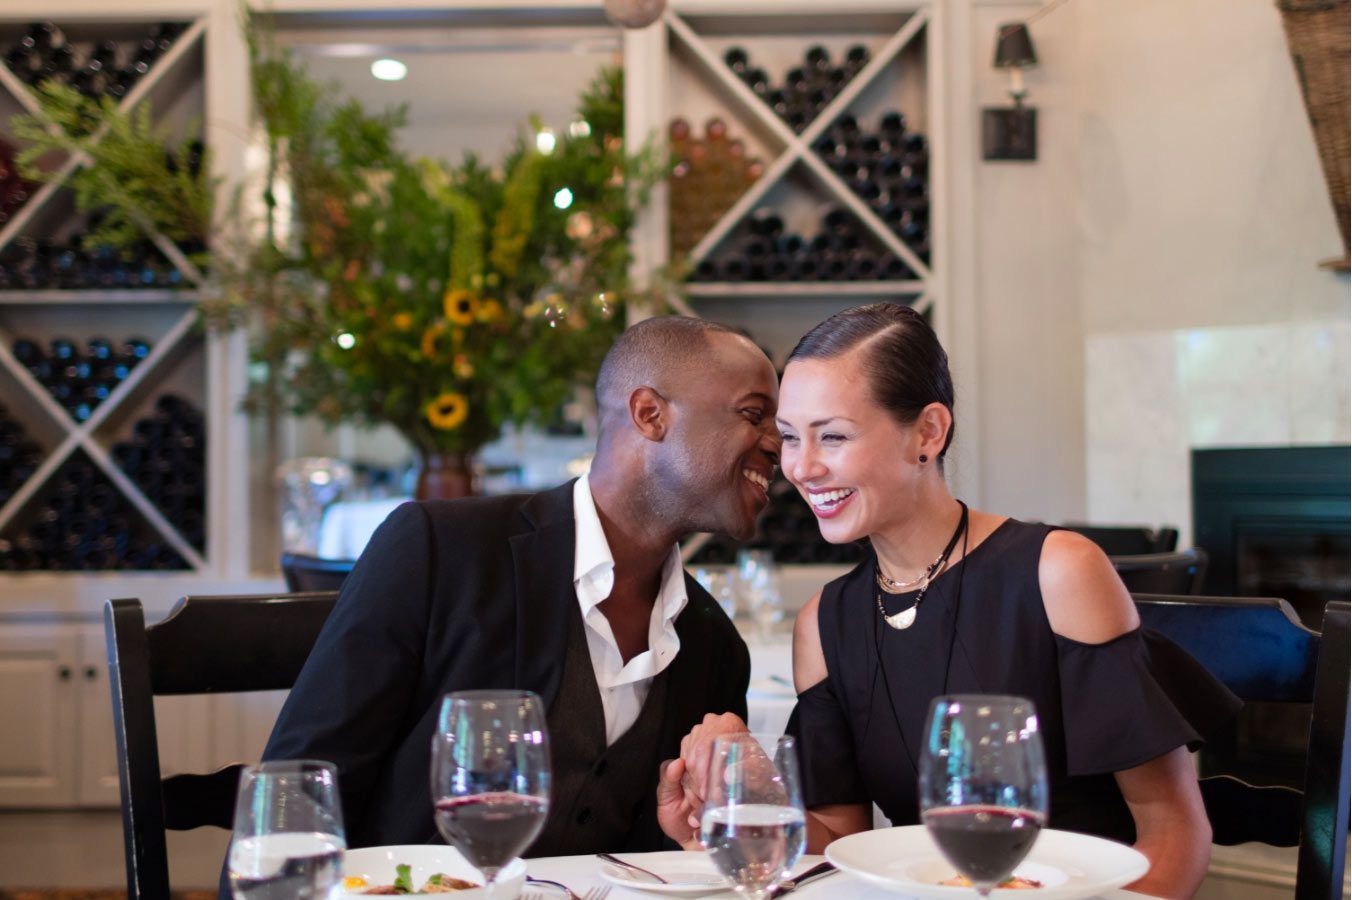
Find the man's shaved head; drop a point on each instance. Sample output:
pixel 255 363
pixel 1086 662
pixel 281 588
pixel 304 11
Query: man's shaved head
pixel 652 353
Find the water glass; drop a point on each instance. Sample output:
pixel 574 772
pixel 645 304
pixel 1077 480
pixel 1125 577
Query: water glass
pixel 758 590
pixel 288 841
pixel 490 776
pixel 719 585
pixel 983 784
pixel 753 825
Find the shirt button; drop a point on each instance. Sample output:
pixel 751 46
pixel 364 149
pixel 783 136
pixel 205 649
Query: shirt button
pixel 584 816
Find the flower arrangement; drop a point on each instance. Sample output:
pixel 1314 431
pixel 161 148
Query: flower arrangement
pixel 444 300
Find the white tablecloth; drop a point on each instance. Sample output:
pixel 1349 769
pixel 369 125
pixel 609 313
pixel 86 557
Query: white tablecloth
pixel 581 873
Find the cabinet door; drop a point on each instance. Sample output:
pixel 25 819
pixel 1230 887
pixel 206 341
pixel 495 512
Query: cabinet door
pixel 39 742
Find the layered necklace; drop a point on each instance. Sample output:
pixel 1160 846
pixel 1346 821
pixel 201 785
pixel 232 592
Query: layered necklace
pixel 906 618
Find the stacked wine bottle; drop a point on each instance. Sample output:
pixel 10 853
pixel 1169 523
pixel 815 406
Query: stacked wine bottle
pixel 888 169
pixel 788 529
pixel 19 456
pixel 95 69
pixel 14 190
pixel 806 89
pixel 80 380
pixel 34 264
pixel 710 173
pixel 83 523
pixel 166 458
pixel 840 251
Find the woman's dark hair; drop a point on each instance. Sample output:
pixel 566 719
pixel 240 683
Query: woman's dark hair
pixel 906 367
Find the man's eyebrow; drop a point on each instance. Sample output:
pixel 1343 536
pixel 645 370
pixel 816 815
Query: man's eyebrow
pixel 755 395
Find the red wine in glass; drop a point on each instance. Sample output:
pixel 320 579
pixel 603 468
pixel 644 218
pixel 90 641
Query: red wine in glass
pixel 984 843
pixel 492 829
pixel 490 776
pixel 983 783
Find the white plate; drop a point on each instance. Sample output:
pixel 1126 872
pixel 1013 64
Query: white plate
pixel 906 860
pixel 376 865
pixel 690 874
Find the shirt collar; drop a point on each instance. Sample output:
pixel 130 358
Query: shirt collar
pixel 594 564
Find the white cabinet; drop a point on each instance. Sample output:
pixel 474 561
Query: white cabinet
pixel 57 746
pixel 39 706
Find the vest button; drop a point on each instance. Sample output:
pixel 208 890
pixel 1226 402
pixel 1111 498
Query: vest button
pixel 584 816
pixel 600 767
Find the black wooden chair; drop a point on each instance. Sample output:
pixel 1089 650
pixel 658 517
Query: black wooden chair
pixel 206 645
pixel 1163 573
pixel 1127 540
pixel 1261 651
pixel 312 573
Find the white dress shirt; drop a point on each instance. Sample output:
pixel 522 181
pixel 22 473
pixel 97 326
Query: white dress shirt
pixel 624 686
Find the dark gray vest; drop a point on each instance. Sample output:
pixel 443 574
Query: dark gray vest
pixel 598 791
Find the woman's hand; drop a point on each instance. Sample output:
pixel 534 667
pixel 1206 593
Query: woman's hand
pixel 680 786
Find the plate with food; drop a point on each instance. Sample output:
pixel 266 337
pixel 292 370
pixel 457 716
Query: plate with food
pixel 1062 865
pixel 421 869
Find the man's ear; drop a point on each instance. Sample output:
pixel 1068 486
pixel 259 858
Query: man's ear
pixel 650 413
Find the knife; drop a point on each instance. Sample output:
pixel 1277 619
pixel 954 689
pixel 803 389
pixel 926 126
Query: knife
pixel 818 871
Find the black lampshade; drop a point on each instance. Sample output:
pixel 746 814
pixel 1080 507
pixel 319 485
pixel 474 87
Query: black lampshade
pixel 1014 47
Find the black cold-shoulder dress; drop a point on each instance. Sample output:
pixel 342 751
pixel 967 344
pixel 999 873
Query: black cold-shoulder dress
pixel 982 629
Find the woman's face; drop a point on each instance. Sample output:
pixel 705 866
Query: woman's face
pixel 848 457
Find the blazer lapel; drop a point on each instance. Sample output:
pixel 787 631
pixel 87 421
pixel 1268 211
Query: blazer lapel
pixel 543 560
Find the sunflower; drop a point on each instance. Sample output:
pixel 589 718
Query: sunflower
pixel 460 305
pixel 447 411
pixel 430 337
pixel 462 366
pixel 403 321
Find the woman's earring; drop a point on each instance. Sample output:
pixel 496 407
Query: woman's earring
pixel 923 459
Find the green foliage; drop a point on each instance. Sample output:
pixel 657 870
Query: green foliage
pixel 138 175
pixel 446 300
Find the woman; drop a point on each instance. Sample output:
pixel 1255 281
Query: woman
pixel 956 600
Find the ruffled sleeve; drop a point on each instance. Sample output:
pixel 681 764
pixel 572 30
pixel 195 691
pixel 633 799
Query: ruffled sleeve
pixel 1133 699
pixel 830 772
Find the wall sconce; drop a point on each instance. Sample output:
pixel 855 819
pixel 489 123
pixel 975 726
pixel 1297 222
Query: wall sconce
pixel 1011 133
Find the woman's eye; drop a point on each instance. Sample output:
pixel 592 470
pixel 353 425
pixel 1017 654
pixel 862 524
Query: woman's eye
pixel 832 438
pixel 788 438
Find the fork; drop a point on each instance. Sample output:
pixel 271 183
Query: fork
pixel 600 892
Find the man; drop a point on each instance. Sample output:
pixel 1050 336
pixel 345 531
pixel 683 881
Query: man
pixel 576 593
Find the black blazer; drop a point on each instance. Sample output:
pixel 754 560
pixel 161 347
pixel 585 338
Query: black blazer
pixel 455 595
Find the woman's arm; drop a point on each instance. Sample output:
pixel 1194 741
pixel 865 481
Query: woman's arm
pixel 1087 602
pixel 1172 829
pixel 825 823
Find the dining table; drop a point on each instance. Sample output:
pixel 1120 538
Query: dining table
pixel 582 874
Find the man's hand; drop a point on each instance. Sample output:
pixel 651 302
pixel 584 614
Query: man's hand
pixel 675 813
pixel 697 748
pixel 680 786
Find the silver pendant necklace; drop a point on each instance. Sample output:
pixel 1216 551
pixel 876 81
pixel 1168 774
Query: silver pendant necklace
pixel 906 618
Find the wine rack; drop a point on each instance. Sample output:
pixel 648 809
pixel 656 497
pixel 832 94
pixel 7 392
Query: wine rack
pixel 833 105
pixel 103 370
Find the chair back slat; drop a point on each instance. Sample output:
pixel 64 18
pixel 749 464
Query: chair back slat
pixel 1163 573
pixel 211 645
pixel 1124 540
pixel 314 573
pixel 1322 857
pixel 194 801
pixel 1241 812
pixel 1255 645
pixel 206 645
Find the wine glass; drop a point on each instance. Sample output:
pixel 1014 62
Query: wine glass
pixel 288 841
pixel 983 784
pixel 490 776
pixel 753 823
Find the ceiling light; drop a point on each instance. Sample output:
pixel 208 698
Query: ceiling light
pixel 389 70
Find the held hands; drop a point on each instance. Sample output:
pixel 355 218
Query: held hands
pixel 680 784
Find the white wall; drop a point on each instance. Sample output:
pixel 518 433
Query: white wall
pixel 1150 283
pixel 1201 215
